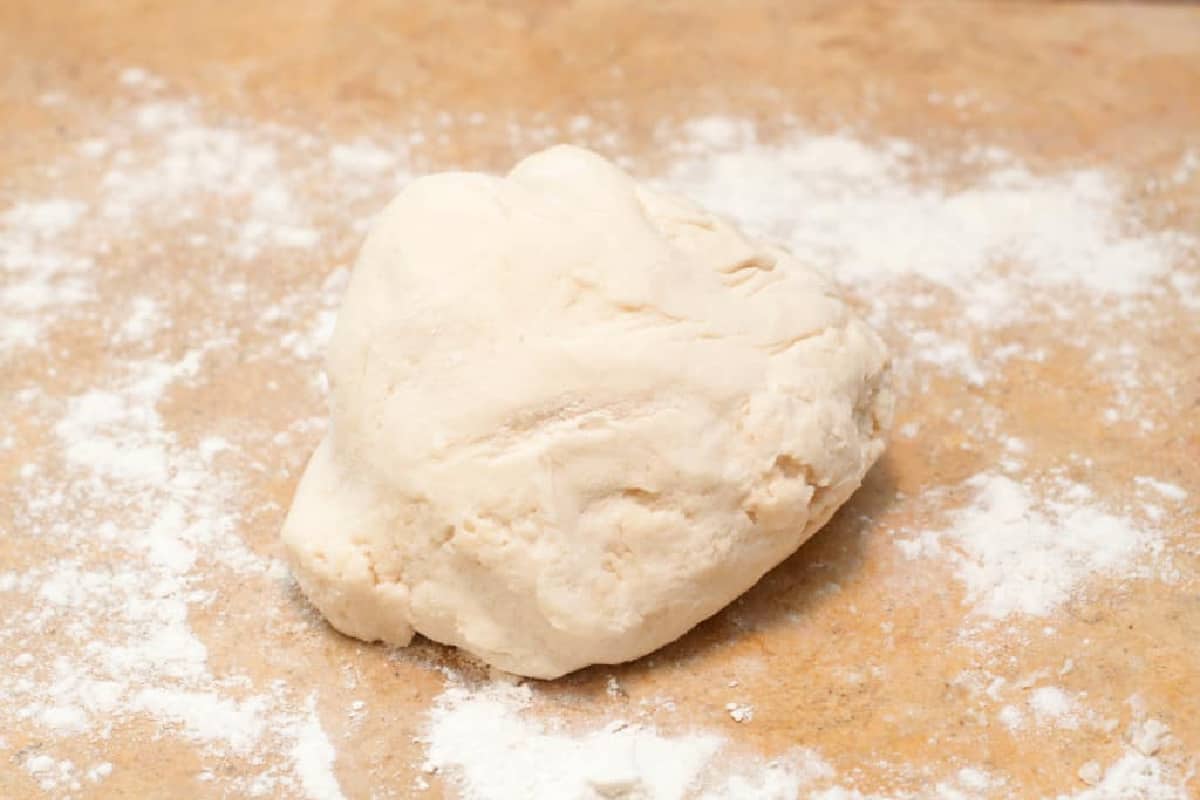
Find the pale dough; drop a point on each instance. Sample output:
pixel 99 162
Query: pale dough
pixel 572 417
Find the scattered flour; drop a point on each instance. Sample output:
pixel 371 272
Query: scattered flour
pixel 131 608
pixel 132 522
pixel 363 157
pixel 1168 490
pixel 1139 774
pixel 313 756
pixel 740 712
pixel 99 772
pixel 863 212
pixel 1051 705
pixel 1016 553
pixel 481 736
pixel 136 77
pixel 484 741
pixel 40 274
pixel 146 317
pixel 309 344
pixel 183 165
pixel 1010 717
pixel 52 775
pixel 490 746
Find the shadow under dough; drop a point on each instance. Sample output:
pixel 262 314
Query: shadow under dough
pixel 833 555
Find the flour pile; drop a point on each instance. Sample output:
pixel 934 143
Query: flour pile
pixel 481 741
pixel 1016 553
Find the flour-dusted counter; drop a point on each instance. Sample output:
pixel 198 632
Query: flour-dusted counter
pixel 1010 194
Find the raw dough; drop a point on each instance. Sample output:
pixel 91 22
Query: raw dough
pixel 572 417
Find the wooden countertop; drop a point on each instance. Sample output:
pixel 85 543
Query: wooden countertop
pixel 478 85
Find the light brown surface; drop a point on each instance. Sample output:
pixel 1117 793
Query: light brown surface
pixel 1064 86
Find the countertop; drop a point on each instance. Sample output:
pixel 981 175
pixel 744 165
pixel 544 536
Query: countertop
pixel 183 186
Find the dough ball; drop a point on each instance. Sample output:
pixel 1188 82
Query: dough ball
pixel 573 416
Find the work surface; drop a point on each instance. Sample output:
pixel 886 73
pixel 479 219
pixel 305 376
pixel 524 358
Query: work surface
pixel 1009 605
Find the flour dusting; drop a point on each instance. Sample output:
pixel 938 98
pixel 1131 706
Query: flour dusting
pixel 865 213
pixel 1018 553
pixel 1139 773
pixel 41 275
pixel 482 741
pixel 137 520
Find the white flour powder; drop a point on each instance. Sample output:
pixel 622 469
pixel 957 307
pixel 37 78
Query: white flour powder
pixel 1138 774
pixel 41 277
pixel 500 755
pixel 481 740
pixel 1051 705
pixel 1017 553
pixel 131 609
pixel 864 213
pixel 133 522
pixel 1135 776
pixel 485 743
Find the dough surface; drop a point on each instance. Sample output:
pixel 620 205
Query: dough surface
pixel 572 417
